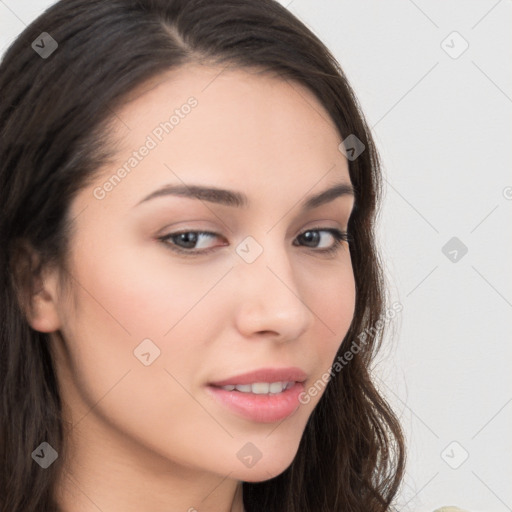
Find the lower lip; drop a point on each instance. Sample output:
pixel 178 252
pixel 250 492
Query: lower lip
pixel 260 408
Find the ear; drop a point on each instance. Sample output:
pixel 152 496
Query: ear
pixel 37 289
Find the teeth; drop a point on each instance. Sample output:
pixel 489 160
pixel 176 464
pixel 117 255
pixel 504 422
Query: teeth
pixel 246 388
pixel 260 388
pixel 276 387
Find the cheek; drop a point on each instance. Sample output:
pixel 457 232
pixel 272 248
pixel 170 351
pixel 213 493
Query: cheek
pixel 334 308
pixel 130 296
pixel 333 301
pixel 141 291
pixel 120 303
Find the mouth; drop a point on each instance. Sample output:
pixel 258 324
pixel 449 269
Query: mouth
pixel 264 396
pixel 263 376
pixel 260 388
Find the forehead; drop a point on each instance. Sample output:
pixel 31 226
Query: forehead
pixel 230 93
pixel 233 105
pixel 246 129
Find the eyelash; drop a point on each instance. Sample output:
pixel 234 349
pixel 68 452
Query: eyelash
pixel 339 238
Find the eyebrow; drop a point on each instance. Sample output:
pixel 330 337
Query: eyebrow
pixel 240 200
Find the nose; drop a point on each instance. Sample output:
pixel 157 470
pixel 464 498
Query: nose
pixel 270 299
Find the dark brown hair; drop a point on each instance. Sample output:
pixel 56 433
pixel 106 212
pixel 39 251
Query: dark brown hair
pixel 54 115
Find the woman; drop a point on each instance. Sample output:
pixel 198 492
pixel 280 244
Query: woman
pixel 191 292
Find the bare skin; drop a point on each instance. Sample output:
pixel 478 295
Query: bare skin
pixel 150 437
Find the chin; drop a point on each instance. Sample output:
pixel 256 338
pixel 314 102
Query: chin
pixel 267 467
pixel 259 475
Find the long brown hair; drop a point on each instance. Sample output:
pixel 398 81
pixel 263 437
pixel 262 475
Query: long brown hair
pixel 54 115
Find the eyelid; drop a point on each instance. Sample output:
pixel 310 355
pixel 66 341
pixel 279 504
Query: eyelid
pixel 318 225
pixel 339 236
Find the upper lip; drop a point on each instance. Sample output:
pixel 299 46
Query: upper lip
pixel 290 374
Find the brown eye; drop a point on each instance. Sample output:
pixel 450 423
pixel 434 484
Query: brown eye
pixel 193 243
pixel 312 237
pixel 189 241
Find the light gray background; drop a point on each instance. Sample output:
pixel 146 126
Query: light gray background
pixel 443 127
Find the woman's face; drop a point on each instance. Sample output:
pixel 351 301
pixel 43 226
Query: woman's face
pixel 156 321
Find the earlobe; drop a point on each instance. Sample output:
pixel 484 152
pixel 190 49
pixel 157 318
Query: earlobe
pixel 36 290
pixel 42 314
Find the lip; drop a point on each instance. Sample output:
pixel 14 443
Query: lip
pixel 265 375
pixel 261 408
